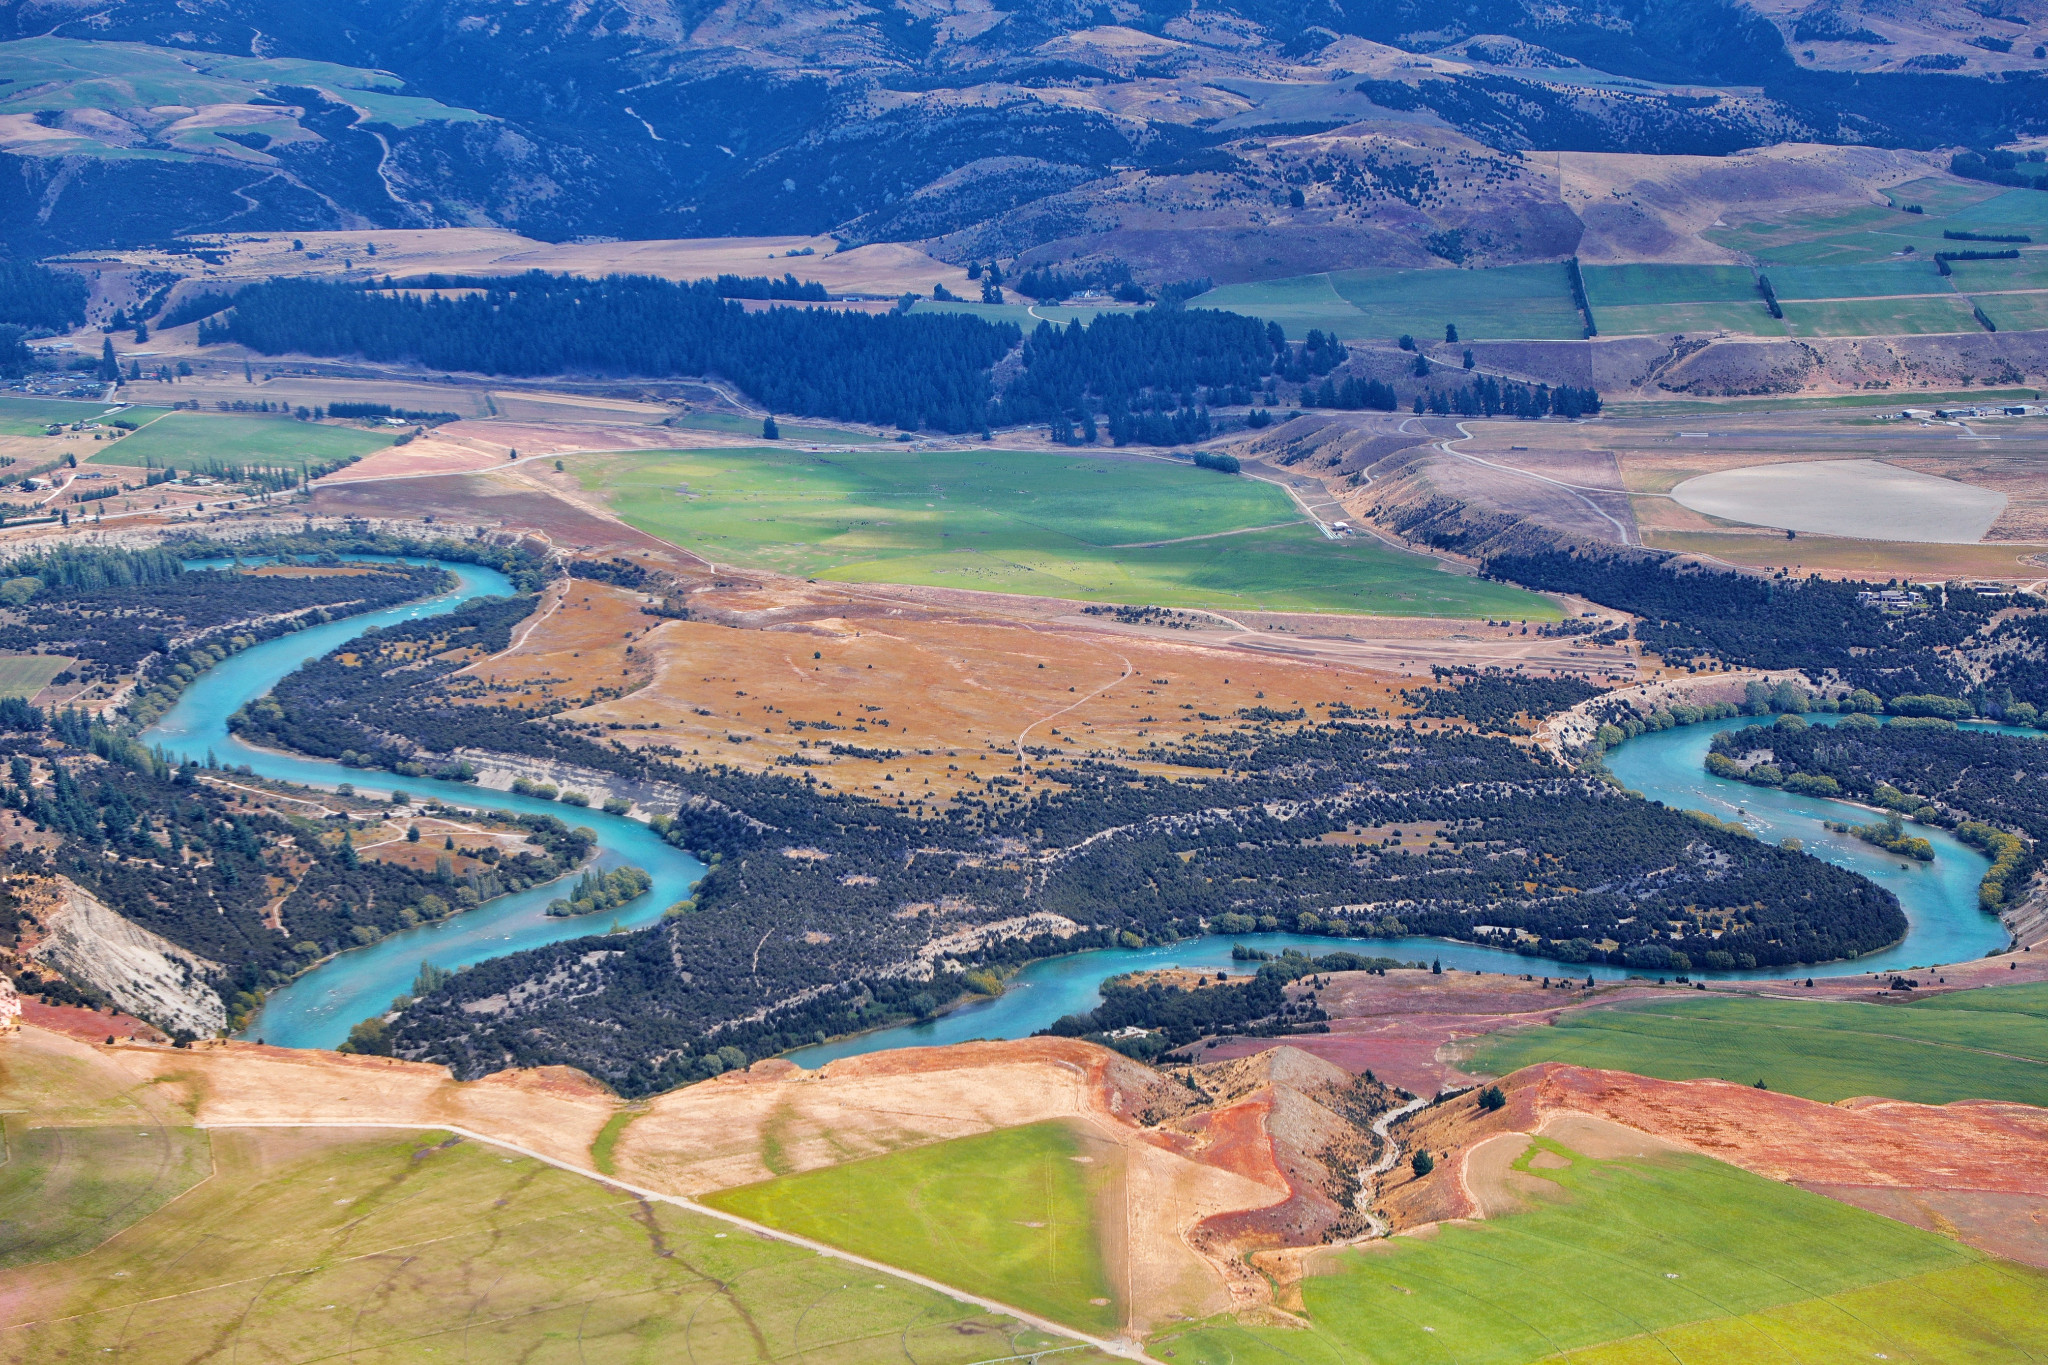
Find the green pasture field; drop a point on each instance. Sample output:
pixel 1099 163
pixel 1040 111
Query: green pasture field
pixel 2030 271
pixel 1940 195
pixel 2007 211
pixel 62 73
pixel 1623 1260
pixel 184 438
pixel 1655 319
pixel 1524 302
pixel 334 1244
pixel 1848 250
pixel 1010 1214
pixel 24 675
pixel 63 1191
pixel 31 416
pixel 1299 303
pixel 1994 1047
pixel 1060 525
pixel 1869 280
pixel 2015 312
pixel 1624 286
pixel 1881 317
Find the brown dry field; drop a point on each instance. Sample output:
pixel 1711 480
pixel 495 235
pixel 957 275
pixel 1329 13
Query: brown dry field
pixel 1401 1026
pixel 1839 557
pixel 953 680
pixel 953 694
pixel 1646 458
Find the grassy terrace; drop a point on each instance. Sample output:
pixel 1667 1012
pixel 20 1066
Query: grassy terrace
pixel 1103 528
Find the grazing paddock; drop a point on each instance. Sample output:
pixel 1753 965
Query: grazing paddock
pixel 1623 286
pixel 24 675
pixel 63 1191
pixel 186 438
pixel 1010 1214
pixel 1939 195
pixel 1747 316
pixel 1874 279
pixel 1881 317
pixel 1862 498
pixel 2006 211
pixel 1665 1258
pixel 1522 302
pixel 2015 312
pixel 1989 1045
pixel 1094 527
pixel 2030 271
pixel 30 416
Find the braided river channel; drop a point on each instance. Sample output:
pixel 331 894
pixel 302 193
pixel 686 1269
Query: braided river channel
pixel 319 1007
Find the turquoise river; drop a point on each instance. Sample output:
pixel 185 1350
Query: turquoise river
pixel 317 1009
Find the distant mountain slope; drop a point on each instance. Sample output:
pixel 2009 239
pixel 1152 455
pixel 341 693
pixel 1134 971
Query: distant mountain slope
pixel 1008 123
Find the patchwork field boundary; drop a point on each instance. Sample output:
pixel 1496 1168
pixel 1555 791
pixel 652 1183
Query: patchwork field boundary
pixel 1116 1346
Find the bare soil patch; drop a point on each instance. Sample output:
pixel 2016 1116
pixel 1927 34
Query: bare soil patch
pixel 1401 1026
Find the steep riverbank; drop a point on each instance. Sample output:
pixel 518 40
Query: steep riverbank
pixel 318 1008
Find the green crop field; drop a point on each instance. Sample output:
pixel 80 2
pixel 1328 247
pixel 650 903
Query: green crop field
pixel 1300 305
pixel 1881 317
pixel 1933 1052
pixel 1621 286
pixel 2007 211
pixel 188 438
pixel 1676 1259
pixel 24 675
pixel 2030 271
pixel 1009 1214
pixel 1530 302
pixel 2015 312
pixel 63 1191
pixel 33 416
pixel 1870 280
pixel 1655 319
pixel 1077 526
pixel 1939 195
pixel 1525 302
pixel 325 1244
